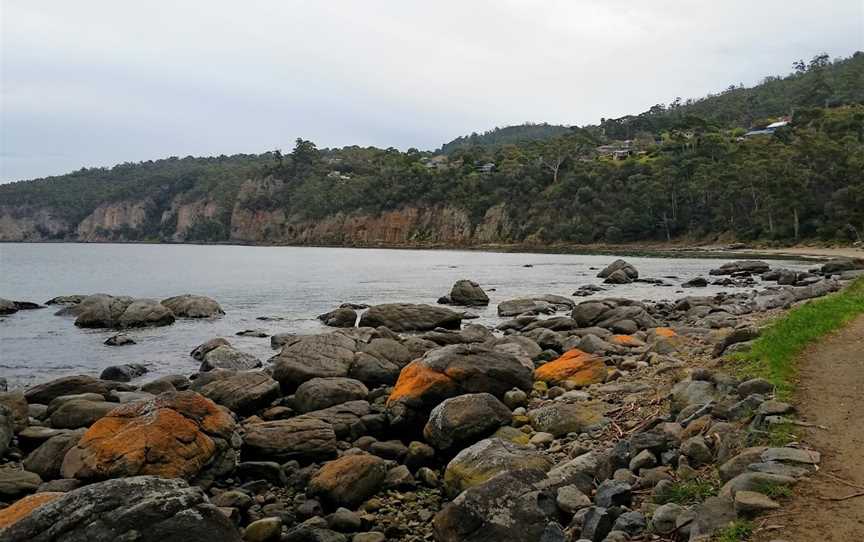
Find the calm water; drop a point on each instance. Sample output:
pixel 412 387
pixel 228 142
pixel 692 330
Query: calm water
pixel 295 284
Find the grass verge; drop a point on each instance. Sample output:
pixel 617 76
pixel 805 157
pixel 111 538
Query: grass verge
pixel 687 492
pixel 773 354
pixel 736 532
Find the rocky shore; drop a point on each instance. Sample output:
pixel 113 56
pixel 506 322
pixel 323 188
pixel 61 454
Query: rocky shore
pixel 597 419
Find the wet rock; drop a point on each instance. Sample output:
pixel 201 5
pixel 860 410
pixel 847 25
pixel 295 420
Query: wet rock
pixel 320 393
pixel 483 460
pixel 465 419
pixel 296 438
pixel 166 383
pixel 560 418
pixel 698 282
pixel 121 339
pixel 103 311
pixel 341 317
pixel 575 368
pixel 176 434
pixel 162 509
pixel 193 306
pixel 489 511
pixel 227 357
pixel 123 373
pixel 618 277
pixel 515 307
pixel 255 333
pixel 450 371
pixel 349 480
pixel 242 392
pixel 468 293
pixel 407 317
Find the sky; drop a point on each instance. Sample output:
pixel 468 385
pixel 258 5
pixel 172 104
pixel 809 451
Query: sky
pixel 94 83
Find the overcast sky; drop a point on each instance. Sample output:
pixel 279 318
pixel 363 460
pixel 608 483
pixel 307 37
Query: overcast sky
pixel 93 83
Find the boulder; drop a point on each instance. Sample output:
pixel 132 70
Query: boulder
pixel 47 459
pixel 468 293
pixel 19 410
pixel 227 357
pixel 162 510
pixel 618 315
pixel 465 419
pixel 349 480
pixel 450 371
pixel 243 392
pixel 741 266
pixel 121 339
pixel 379 361
pixel 15 482
pixel 575 367
pixel 625 268
pixel 73 299
pixel 487 458
pixel 506 508
pixel 144 313
pixel 341 317
pixel 347 419
pixel 123 373
pixel 7 429
pixel 407 317
pixel 7 306
pixel 560 417
pixel 515 307
pixel 80 413
pixel 106 311
pixel 305 357
pixel 175 435
pixel 193 306
pixel 67 385
pixel 618 277
pixel 320 393
pixel 303 437
pixel 203 349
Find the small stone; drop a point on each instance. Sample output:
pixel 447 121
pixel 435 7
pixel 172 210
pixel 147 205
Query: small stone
pixel 428 476
pixel 644 459
pixel 774 408
pixel 542 438
pixel 515 398
pixel 665 517
pixel 613 493
pixel 344 521
pixel 755 385
pixel 751 502
pixel 697 450
pixel 632 523
pixel 263 530
pixel 369 537
pixel 571 499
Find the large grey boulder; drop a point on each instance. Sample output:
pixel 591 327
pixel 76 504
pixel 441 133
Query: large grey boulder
pixel 47 459
pixel 341 317
pixel 741 266
pixel 379 361
pixel 202 349
pixel 409 317
pixel 80 413
pixel 468 293
pixel 141 508
pixel 144 313
pixel 123 373
pixel 193 306
pixel 627 270
pixel 15 482
pixel 347 419
pixel 465 419
pixel 506 508
pixel 487 458
pixel 7 306
pixel 304 357
pixel 320 393
pixel 618 315
pixel 106 311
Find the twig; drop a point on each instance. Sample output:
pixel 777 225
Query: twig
pixel 807 424
pixel 852 496
pixel 842 481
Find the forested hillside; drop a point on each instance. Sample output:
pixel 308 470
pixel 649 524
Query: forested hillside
pixel 683 171
pixel 509 135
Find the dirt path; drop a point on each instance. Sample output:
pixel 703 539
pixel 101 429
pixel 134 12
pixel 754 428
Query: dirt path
pixel 830 393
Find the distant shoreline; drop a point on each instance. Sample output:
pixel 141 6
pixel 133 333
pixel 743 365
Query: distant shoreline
pixel 659 250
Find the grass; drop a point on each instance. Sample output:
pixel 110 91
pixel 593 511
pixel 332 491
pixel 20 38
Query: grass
pixel 774 490
pixel 688 492
pixel 773 354
pixel 736 532
pixel 777 436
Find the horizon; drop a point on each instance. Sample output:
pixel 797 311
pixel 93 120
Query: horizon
pixel 83 86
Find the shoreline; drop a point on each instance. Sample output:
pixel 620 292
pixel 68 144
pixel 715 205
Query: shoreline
pixel 660 250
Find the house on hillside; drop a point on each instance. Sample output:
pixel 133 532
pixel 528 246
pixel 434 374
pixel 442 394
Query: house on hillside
pixel 617 150
pixel 770 129
pixel 484 168
pixel 437 163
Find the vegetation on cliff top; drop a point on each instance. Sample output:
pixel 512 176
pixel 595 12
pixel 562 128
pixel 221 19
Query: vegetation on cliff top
pixel 685 171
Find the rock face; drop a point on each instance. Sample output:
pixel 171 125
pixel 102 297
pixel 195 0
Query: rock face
pixel 105 311
pixel 450 371
pixel 468 293
pixel 575 367
pixel 407 317
pixel 193 306
pixel 349 480
pixel 507 508
pixel 175 435
pixel 465 419
pixel 480 462
pixel 161 510
pixel 303 437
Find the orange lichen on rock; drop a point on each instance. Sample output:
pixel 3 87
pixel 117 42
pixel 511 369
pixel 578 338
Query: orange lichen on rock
pixel 625 340
pixel 666 332
pixel 575 366
pixel 416 379
pixel 23 507
pixel 170 436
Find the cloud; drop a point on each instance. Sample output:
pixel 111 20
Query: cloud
pixel 99 82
